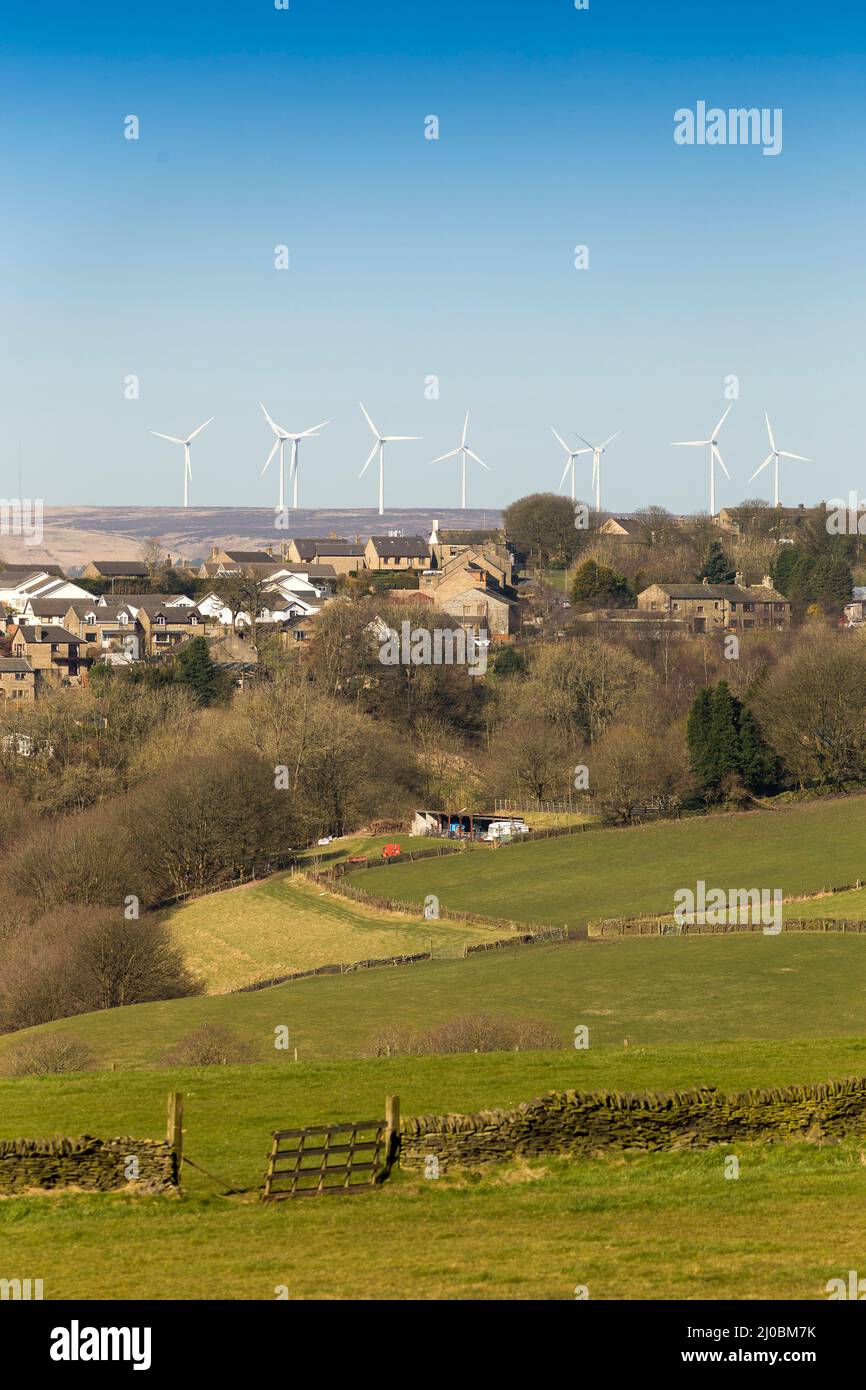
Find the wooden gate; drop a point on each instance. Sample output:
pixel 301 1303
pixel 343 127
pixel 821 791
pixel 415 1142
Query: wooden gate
pixel 309 1163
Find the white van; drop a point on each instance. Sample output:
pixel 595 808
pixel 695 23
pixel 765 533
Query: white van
pixel 500 828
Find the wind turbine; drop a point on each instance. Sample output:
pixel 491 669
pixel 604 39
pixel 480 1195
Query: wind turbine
pixel 773 457
pixel 280 443
pixel 379 448
pixel 713 444
pixel 187 465
pixel 597 451
pixel 465 452
pixel 569 463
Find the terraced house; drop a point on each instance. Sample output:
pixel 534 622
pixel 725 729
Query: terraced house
pixel 706 606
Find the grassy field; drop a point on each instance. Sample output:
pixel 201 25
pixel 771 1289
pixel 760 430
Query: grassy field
pixel 262 930
pixel 851 904
pixel 650 1226
pixel 650 990
pixel 348 846
pixel 606 873
pixel 731 1011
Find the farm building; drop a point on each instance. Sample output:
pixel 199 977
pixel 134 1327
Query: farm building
pixel 467 825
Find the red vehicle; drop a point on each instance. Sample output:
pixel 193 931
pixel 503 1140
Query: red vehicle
pixel 390 851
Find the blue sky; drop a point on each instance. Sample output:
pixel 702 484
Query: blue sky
pixel 411 258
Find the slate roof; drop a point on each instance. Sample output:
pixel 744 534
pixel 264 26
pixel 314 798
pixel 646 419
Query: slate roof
pixel 50 633
pixel 413 547
pixel 121 569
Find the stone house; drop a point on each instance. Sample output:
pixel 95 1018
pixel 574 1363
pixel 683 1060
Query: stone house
pixel 17 680
pixel 397 552
pixel 472 590
pixel 258 562
pixel 710 606
pixel 164 628
pixel 106 628
pixel 343 556
pixel 54 655
pixel 114 569
pixel 446 544
pixel 624 528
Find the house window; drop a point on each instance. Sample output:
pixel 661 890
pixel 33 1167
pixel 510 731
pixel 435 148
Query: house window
pixel 90 636
pixel 700 608
pixel 19 675
pixel 733 607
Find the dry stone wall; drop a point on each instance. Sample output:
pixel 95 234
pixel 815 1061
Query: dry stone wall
pixel 93 1164
pixel 665 926
pixel 593 1122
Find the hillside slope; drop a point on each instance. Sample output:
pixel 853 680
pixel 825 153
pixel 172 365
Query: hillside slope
pixel 608 873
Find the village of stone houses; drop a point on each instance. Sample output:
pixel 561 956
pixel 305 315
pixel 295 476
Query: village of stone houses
pixel 540 947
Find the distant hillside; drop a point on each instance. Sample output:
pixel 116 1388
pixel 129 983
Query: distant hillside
pixel 74 535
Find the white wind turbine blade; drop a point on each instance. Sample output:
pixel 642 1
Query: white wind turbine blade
pixel 722 421
pixel 373 453
pixel 303 434
pixel 192 436
pixel 274 427
pixel 783 453
pixel 370 422
pixel 389 438
pixel 586 442
pixel 452 454
pixel 270 455
pixel 770 432
pixel 690 443
pixel 474 456
pixel 465 428
pixel 722 462
pixel 563 443
pixel 608 441
pixel 173 439
pixel 761 467
pixel 568 464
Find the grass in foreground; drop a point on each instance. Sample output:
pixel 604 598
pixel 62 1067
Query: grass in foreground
pixel 619 873
pixel 628 1226
pixel 650 990
pixel 282 924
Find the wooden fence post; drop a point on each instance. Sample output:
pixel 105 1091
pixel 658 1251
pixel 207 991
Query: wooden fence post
pixel 392 1130
pixel 174 1132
